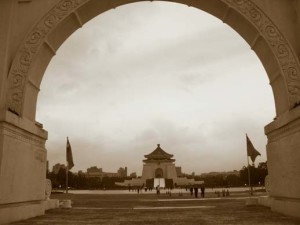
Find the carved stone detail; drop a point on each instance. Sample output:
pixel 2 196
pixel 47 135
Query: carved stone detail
pixel 284 131
pixel 21 135
pixel 268 185
pixel 282 50
pixel 48 189
pixel 286 57
pixel 19 71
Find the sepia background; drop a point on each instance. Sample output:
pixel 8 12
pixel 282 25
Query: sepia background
pixel 144 74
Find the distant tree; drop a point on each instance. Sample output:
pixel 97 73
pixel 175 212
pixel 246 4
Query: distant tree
pixel 93 183
pixel 217 180
pixel 244 175
pixel 80 181
pixel 133 175
pixel 109 182
pixel 262 172
pixel 61 177
pixel 257 175
pixel 234 180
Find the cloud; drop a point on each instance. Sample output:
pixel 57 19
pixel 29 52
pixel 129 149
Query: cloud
pixel 144 74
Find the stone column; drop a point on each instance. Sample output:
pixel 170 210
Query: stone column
pixel 283 153
pixel 22 168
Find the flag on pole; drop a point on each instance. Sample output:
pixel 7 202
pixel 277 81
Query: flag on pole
pixel 69 155
pixel 251 151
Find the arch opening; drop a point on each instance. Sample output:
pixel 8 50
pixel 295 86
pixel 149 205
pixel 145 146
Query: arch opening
pixel 125 84
pixel 250 21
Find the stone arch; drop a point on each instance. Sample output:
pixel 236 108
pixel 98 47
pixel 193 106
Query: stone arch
pixel 42 42
pixel 21 136
pixel 159 173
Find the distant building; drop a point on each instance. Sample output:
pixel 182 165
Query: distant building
pixel 110 174
pixel 159 170
pixel 122 172
pixel 94 171
pixel 159 164
pixel 224 173
pixel 178 171
pixel 133 175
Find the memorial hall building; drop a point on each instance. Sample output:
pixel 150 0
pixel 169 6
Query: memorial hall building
pixel 159 170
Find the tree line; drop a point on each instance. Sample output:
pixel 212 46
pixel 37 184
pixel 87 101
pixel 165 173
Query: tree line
pixel 81 181
pixel 257 177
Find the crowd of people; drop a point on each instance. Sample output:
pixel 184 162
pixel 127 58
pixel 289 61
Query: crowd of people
pixel 195 189
pixel 224 193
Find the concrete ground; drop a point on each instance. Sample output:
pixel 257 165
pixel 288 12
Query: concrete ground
pixel 129 209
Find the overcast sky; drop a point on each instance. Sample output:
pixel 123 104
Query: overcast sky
pixel 149 73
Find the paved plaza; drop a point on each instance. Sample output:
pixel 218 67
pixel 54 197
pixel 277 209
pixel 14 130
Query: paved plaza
pixel 131 209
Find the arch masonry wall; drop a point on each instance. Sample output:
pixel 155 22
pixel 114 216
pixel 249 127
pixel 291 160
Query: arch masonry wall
pixel 31 33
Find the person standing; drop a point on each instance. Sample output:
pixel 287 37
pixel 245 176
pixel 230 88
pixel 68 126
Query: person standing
pixel 191 190
pixel 157 190
pixel 196 191
pixel 202 188
pixel 227 193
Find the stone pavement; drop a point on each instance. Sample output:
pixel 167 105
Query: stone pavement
pixel 152 209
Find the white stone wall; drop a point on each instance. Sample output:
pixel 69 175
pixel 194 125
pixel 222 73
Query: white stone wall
pixel 168 168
